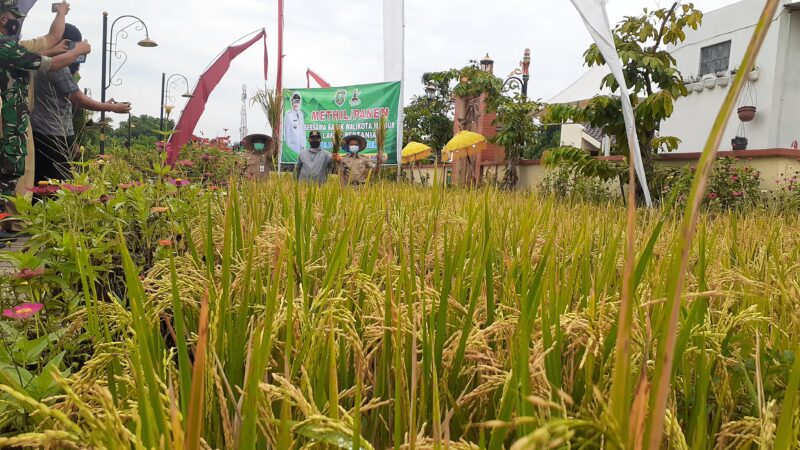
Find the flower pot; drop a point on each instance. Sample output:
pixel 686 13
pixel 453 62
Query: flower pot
pixel 697 87
pixel 754 74
pixel 739 143
pixel 722 81
pixel 709 82
pixel 746 113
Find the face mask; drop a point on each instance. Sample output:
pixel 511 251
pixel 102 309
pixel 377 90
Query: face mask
pixel 354 149
pixel 315 144
pixel 12 27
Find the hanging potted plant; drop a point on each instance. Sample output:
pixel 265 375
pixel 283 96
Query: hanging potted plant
pixel 687 83
pixel 696 84
pixel 709 81
pixel 722 79
pixel 747 113
pixel 754 73
pixel 739 143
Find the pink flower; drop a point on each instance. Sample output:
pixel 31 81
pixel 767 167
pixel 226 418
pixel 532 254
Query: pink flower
pixel 178 182
pixel 713 195
pixel 126 186
pixel 738 194
pixel 44 190
pixel 105 198
pixel 23 311
pixel 27 274
pixel 206 157
pixel 78 189
pixel 734 178
pixel 185 163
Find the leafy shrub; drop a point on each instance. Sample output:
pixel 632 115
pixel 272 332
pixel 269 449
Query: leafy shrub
pixel 730 186
pixel 562 182
pixel 787 196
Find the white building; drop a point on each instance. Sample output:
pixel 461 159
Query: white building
pixel 713 51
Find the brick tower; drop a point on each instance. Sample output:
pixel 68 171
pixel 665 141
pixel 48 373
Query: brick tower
pixel 471 115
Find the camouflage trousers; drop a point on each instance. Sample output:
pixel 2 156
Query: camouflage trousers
pixel 13 150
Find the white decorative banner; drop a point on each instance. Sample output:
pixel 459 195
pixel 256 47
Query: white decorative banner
pixel 595 17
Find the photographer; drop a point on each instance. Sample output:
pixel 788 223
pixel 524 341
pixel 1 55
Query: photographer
pixel 55 93
pixel 15 65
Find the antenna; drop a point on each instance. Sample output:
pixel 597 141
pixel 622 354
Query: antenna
pixel 243 128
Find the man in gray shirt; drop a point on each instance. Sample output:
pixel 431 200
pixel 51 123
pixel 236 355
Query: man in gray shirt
pixel 313 163
pixel 55 93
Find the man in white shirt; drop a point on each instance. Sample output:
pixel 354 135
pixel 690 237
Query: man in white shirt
pixel 294 126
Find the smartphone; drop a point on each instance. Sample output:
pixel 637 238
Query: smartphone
pixel 55 6
pixel 81 59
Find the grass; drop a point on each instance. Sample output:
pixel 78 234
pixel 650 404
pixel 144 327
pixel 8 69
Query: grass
pixel 411 318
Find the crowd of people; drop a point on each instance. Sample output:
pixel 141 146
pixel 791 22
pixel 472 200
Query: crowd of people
pixel 40 94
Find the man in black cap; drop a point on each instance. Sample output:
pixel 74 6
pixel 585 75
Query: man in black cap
pixel 294 133
pixel 355 167
pixel 313 163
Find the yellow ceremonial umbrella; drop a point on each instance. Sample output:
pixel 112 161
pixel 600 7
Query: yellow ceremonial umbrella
pixel 464 145
pixel 414 152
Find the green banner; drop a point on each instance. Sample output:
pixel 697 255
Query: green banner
pixel 356 108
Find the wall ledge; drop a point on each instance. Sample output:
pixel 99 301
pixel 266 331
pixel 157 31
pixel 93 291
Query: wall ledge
pixel 694 156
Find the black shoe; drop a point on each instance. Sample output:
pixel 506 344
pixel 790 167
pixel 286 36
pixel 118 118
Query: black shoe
pixel 8 235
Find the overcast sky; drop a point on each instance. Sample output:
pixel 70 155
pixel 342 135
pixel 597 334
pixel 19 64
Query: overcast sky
pixel 339 39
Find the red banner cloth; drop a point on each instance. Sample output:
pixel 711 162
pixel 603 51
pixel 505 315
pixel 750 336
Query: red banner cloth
pixel 310 74
pixel 205 86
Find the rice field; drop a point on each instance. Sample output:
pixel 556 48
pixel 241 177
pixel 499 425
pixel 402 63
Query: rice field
pixel 278 315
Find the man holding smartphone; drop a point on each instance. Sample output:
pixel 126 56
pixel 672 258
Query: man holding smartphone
pixel 55 94
pixel 15 65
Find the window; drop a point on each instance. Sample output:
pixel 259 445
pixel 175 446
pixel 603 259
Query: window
pixel 715 58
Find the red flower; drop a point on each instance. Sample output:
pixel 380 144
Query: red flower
pixel 165 243
pixel 213 188
pixel 734 178
pixel 78 189
pixel 4 216
pixel 713 195
pixel 105 198
pixel 27 274
pixel 206 157
pixel 185 163
pixel 23 311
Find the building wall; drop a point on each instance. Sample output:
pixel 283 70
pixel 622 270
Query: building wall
pixel 787 98
pixel 774 165
pixel 694 115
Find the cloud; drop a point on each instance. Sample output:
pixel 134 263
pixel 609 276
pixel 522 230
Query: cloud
pixel 341 40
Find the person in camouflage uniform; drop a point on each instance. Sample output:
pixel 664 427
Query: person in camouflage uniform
pixel 15 64
pixel 354 167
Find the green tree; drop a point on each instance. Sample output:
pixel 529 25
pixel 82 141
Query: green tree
pixel 144 129
pixel 654 81
pixel 516 132
pixel 430 120
pixel 545 137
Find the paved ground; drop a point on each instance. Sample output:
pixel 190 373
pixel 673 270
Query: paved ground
pixel 15 246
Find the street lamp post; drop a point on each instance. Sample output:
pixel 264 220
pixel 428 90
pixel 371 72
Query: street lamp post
pixel 166 85
pixel 110 42
pixel 519 77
